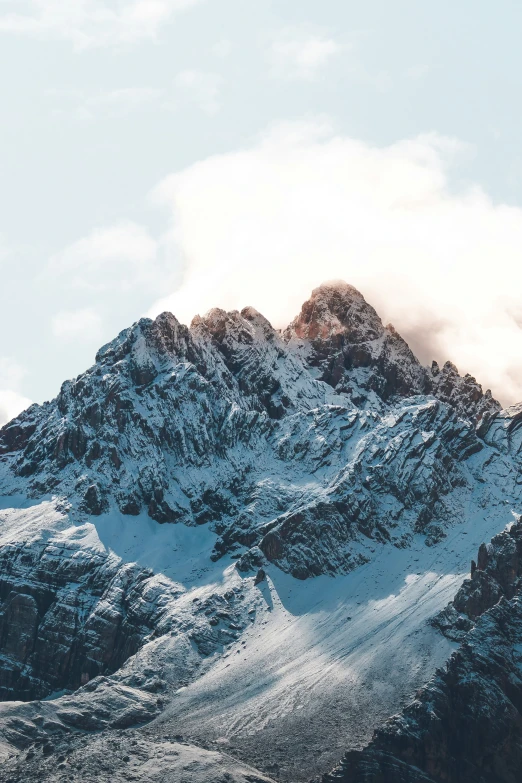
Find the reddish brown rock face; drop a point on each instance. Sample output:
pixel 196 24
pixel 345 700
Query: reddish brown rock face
pixel 336 308
pixel 343 337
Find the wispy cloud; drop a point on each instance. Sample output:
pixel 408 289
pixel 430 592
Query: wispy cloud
pixel 298 54
pixel 90 23
pixel 12 402
pixel 222 48
pixel 116 257
pixel 201 88
pixel 306 203
pixel 11 373
pixel 116 103
pixel 416 73
pixel 84 324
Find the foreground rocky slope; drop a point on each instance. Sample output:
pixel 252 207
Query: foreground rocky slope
pixel 163 517
pixel 465 725
pixel 126 755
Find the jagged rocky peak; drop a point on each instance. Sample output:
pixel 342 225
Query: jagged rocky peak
pixel 344 339
pixel 233 328
pixel 255 356
pixel 164 336
pixel 462 392
pixel 142 350
pixel 336 308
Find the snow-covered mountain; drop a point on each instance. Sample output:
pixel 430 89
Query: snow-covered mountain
pixel 227 548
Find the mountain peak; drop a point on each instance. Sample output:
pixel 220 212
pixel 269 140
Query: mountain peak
pixel 348 346
pixel 234 326
pixel 333 308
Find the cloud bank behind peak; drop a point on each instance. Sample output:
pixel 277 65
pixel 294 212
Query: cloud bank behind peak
pixel 264 225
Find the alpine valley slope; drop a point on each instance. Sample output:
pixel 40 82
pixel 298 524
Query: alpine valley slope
pixel 226 548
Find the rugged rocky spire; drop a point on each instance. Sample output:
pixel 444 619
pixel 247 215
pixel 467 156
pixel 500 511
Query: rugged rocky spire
pixel 343 338
pixel 336 308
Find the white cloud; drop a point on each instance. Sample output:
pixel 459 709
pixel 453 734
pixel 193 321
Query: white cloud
pixel 11 404
pixel 11 401
pixel 222 48
pixel 201 88
pixel 11 373
pixel 117 257
pixel 296 54
pixel 5 249
pixel 118 102
pixel 84 324
pixel 264 225
pixel 124 98
pixel 90 23
pixel 417 72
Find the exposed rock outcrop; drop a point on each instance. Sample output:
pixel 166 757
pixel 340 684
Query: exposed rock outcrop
pixel 463 393
pixel 496 574
pixel 71 611
pixel 344 340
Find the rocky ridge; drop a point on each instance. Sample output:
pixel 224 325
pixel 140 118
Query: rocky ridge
pixel 217 422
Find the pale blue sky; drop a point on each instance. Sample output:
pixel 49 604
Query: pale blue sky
pixel 104 100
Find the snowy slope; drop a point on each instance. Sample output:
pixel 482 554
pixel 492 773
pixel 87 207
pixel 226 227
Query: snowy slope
pixel 465 724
